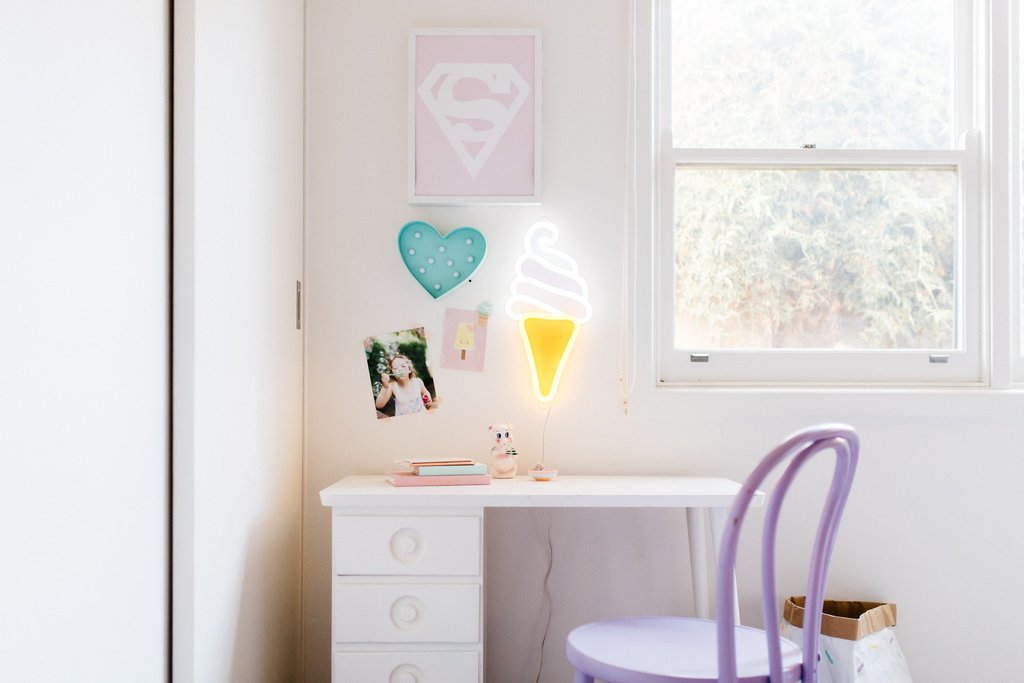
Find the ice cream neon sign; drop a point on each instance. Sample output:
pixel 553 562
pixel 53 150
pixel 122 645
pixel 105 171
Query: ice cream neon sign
pixel 550 300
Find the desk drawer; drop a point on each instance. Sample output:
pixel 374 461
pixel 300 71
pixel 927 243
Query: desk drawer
pixel 406 613
pixel 400 546
pixel 406 667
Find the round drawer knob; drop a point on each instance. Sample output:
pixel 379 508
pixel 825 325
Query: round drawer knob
pixel 407 545
pixel 407 613
pixel 406 673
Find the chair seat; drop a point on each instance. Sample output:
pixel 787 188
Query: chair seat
pixel 670 649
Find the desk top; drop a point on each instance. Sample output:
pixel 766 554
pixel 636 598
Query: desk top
pixel 565 491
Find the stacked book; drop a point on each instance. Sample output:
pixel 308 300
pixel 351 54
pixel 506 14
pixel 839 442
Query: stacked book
pixel 440 473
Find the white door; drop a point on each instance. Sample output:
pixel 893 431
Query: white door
pixel 84 348
pixel 238 183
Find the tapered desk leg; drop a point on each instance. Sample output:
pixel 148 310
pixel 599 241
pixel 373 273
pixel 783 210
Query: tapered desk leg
pixel 698 561
pixel 719 517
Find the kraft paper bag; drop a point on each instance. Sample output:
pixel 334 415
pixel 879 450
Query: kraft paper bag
pixel 858 641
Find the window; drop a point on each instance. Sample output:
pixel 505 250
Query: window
pixel 822 192
pixel 1015 56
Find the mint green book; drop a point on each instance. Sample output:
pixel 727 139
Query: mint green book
pixel 428 470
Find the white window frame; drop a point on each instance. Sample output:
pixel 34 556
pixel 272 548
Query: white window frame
pixel 1007 137
pixel 966 365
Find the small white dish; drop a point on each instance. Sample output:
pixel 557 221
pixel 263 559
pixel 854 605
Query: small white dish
pixel 541 473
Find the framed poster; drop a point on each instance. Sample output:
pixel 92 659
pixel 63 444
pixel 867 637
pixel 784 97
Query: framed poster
pixel 474 116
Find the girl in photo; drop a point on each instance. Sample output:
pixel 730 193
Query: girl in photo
pixel 408 390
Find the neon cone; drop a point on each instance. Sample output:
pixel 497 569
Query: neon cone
pixel 548 342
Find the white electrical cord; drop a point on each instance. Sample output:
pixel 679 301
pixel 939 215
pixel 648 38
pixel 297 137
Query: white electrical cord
pixel 627 331
pixel 548 604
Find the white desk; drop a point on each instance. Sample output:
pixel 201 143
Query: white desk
pixel 407 563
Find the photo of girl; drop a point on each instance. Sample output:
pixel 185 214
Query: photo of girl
pixel 399 377
pixel 401 383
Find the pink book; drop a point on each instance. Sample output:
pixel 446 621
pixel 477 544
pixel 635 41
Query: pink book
pixel 412 479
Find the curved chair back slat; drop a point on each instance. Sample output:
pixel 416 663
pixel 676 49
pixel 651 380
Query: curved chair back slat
pixel 797 449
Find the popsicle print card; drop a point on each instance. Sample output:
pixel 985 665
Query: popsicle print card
pixel 465 340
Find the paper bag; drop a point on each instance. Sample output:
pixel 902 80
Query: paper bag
pixel 858 641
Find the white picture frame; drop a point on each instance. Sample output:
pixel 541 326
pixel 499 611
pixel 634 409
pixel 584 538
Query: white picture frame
pixel 474 116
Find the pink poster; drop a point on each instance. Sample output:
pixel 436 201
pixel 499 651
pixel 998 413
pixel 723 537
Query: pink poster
pixel 474 116
pixel 465 339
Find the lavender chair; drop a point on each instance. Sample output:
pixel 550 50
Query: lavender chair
pixel 677 649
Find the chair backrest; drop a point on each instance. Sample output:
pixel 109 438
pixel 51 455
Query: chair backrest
pixel 797 449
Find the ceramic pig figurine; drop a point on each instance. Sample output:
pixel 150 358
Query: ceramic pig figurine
pixel 504 456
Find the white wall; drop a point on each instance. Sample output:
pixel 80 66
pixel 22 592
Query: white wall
pixel 84 280
pixel 237 352
pixel 933 520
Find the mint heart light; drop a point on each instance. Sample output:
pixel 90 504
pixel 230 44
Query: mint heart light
pixel 440 263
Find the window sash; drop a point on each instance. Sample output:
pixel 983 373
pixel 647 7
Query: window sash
pixel 965 365
pixel 1007 13
pixel 961 365
pixel 821 158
